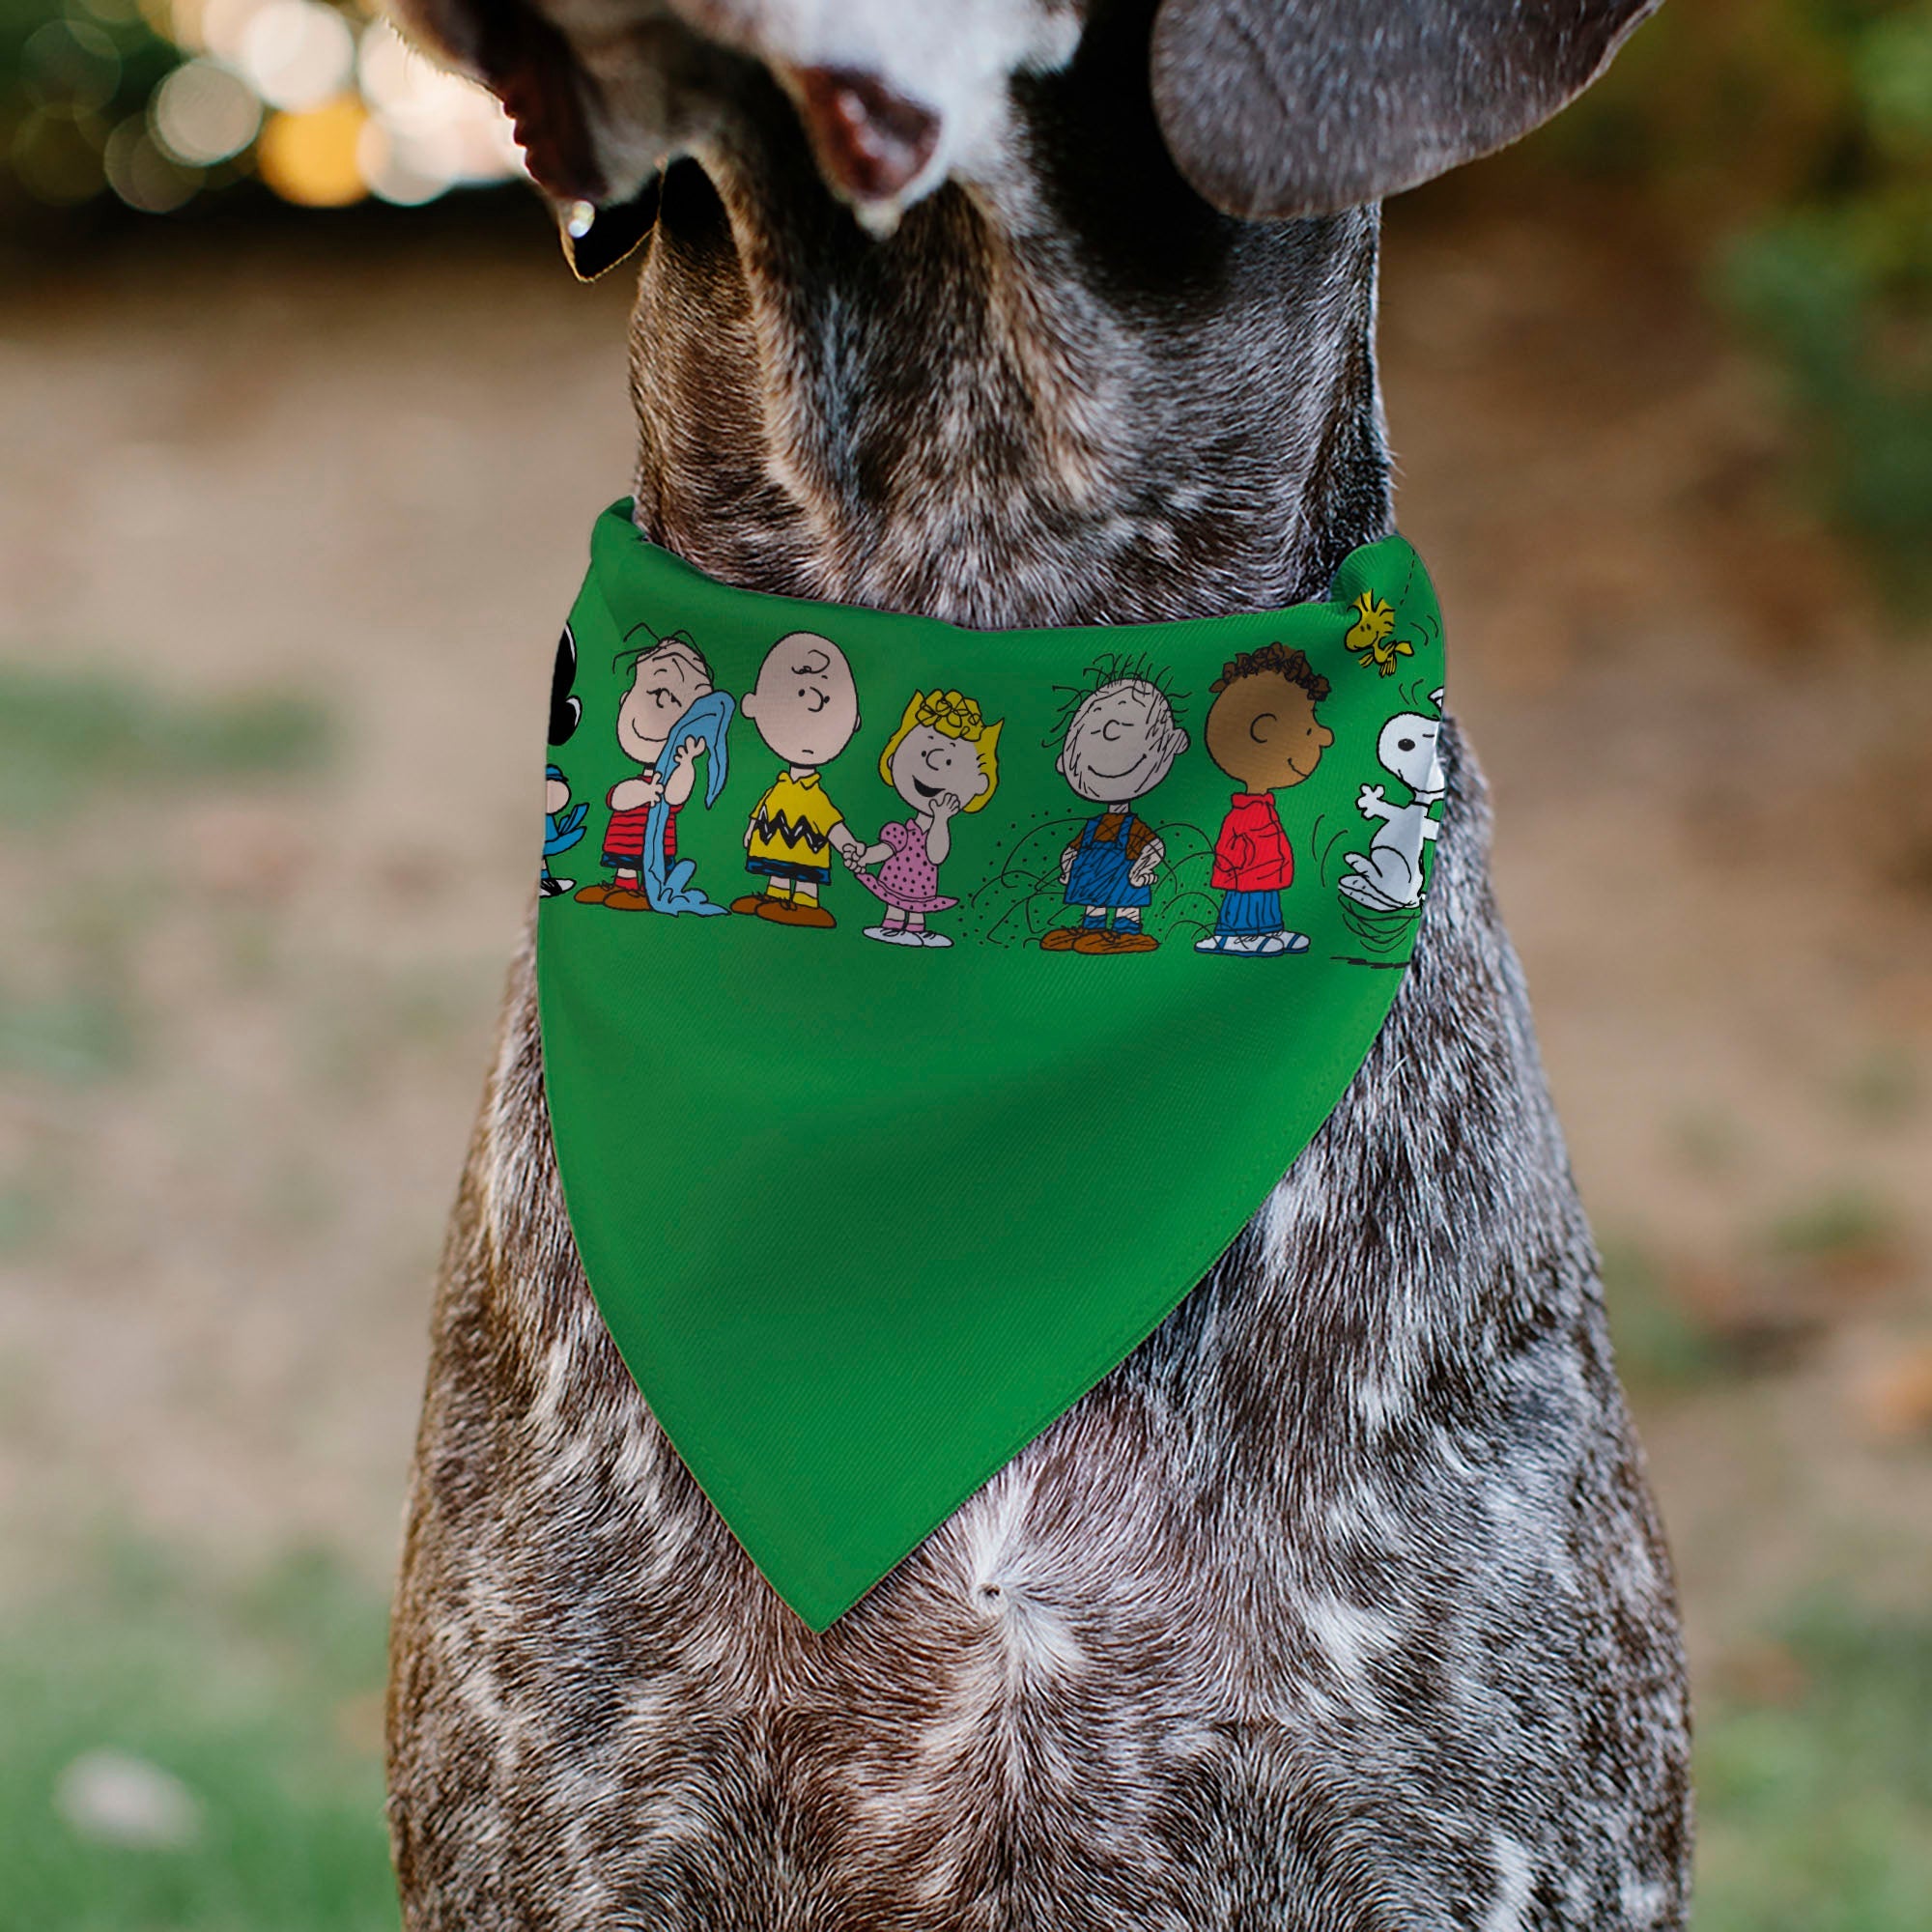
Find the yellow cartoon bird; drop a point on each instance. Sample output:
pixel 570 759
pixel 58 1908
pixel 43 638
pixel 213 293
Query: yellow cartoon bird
pixel 1370 635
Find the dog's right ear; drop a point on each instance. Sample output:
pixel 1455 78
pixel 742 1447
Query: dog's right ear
pixel 1287 107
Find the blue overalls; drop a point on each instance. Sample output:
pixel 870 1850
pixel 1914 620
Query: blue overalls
pixel 1099 874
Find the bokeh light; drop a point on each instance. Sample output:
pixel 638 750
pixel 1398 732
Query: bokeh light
pixel 204 113
pixel 312 158
pixel 429 131
pixel 56 153
pixel 73 60
pixel 159 102
pixel 297 54
pixel 142 175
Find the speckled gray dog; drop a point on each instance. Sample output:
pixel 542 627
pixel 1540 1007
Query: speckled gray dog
pixel 1341 1604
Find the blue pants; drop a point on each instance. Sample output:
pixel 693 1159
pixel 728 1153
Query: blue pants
pixel 1250 912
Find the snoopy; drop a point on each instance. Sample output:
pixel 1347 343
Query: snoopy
pixel 1388 876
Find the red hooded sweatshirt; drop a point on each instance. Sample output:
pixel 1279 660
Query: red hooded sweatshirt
pixel 1252 853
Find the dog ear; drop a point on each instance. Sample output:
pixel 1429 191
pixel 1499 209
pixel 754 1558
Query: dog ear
pixel 1287 107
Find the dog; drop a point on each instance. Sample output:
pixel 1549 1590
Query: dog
pixel 1341 1604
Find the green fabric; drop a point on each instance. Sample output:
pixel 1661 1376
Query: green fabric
pixel 864 1217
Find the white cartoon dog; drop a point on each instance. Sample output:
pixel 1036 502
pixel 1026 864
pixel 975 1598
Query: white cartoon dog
pixel 1388 875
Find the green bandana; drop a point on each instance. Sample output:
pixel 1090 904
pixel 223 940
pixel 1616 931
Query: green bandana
pixel 925 1010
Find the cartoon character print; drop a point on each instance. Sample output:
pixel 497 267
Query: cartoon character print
pixel 1370 636
pixel 669 677
pixel 1263 732
pixel 806 708
pixel 564 828
pixel 1388 878
pixel 943 760
pixel 703 731
pixel 564 822
pixel 1120 739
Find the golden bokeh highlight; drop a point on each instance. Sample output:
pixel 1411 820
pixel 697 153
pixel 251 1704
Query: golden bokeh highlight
pixel 310 158
pixel 315 86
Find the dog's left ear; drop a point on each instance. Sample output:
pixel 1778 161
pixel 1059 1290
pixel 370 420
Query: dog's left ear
pixel 1287 107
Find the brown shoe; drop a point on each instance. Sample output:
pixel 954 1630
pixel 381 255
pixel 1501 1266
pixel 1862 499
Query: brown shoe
pixel 793 912
pixel 751 902
pixel 1116 942
pixel 621 899
pixel 1059 938
pixel 594 895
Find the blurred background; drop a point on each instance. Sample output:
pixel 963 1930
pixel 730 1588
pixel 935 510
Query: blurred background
pixel 303 423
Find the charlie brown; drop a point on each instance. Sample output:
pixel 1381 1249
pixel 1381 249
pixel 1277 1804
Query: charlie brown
pixel 806 707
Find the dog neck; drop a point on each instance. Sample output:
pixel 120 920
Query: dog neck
pixel 1070 394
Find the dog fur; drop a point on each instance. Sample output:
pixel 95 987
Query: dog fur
pixel 1341 1604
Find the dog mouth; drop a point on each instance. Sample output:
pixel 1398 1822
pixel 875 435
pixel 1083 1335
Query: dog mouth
pixel 525 60
pixel 871 143
pixel 597 237
pixel 875 146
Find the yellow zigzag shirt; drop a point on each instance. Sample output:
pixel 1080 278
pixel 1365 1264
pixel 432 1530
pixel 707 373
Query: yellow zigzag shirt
pixel 793 822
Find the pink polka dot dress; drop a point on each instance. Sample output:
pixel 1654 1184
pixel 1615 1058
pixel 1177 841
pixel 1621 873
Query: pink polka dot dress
pixel 908 878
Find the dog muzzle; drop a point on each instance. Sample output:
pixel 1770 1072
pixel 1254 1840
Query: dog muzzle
pixel 925 1010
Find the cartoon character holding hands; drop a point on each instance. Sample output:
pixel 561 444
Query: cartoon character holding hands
pixel 942 760
pixel 1120 740
pixel 806 708
pixel 1262 731
pixel 668 677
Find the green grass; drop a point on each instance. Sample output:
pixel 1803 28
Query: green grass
pixel 75 1037
pixel 1815 1812
pixel 1661 1345
pixel 1882 1089
pixel 258 1701
pixel 69 737
pixel 1847 1221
